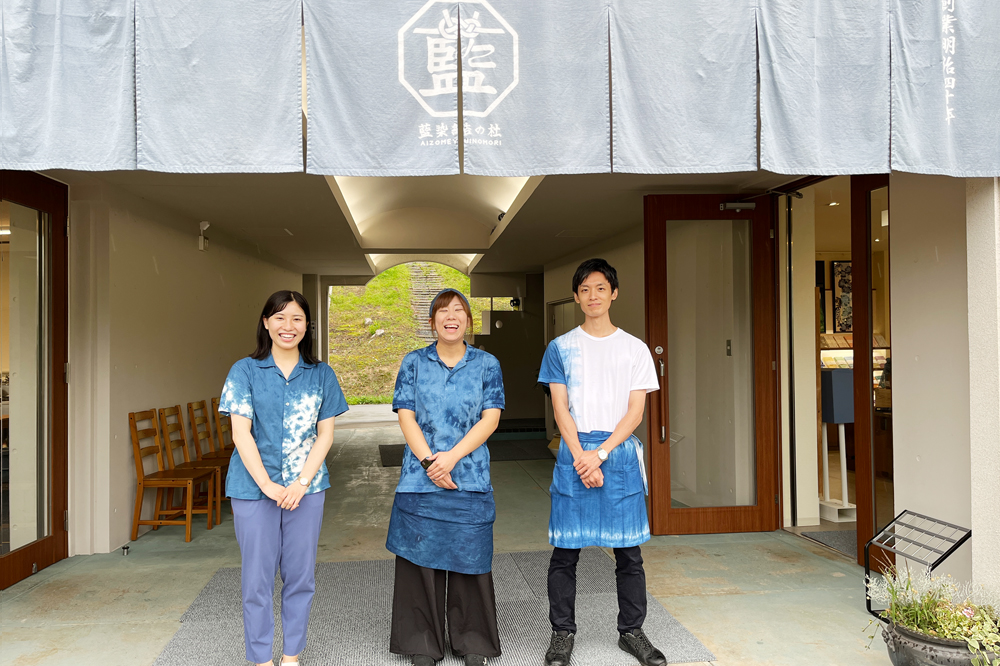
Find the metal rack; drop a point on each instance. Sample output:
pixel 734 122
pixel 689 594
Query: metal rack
pixel 916 537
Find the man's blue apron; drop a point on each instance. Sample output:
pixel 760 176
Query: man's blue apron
pixel 614 515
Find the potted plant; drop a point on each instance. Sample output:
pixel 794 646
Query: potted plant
pixel 936 621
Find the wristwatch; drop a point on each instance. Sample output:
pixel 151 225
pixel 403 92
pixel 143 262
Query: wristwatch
pixel 426 462
pixel 304 481
pixel 601 453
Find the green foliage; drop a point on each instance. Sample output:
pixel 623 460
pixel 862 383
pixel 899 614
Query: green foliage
pixel 370 399
pixel 940 607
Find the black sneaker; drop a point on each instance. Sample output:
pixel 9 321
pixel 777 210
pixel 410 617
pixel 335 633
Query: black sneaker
pixel 560 648
pixel 475 660
pixel 422 660
pixel 636 644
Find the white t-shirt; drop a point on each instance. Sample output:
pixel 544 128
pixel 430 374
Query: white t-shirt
pixel 599 374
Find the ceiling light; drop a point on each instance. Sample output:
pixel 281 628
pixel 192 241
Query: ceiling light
pixel 5 232
pixel 877 240
pixel 833 203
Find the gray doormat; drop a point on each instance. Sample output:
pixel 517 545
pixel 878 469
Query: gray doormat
pixel 500 451
pixel 352 609
pixel 845 541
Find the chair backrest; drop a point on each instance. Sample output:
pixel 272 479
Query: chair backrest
pixel 201 427
pixel 223 425
pixel 174 435
pixel 140 434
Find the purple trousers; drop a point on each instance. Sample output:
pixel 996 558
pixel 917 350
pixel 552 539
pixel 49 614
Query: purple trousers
pixel 273 539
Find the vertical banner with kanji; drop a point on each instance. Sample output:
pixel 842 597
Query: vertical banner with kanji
pixel 535 87
pixel 684 86
pixel 946 87
pixel 824 86
pixel 382 82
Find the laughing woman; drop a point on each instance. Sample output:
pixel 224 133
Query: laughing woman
pixel 448 396
pixel 282 401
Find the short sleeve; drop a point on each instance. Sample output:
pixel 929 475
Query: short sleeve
pixel 552 370
pixel 237 392
pixel 643 369
pixel 493 396
pixel 334 403
pixel 405 394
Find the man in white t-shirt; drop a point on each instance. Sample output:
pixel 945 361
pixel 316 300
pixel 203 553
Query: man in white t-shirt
pixel 598 376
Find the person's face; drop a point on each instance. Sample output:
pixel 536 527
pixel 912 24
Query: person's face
pixel 287 327
pixel 451 322
pixel 595 295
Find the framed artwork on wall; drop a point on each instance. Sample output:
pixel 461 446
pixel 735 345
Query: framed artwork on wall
pixel 821 291
pixel 840 281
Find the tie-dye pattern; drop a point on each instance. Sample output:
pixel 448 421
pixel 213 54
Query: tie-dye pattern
pixel 284 414
pixel 612 516
pixel 447 403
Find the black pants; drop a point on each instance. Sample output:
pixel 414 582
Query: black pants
pixel 629 575
pixel 423 597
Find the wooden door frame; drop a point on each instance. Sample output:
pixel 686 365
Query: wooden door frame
pixel 765 514
pixel 35 191
pixel 861 325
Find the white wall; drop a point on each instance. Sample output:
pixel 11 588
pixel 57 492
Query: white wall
pixel 154 323
pixel 930 352
pixel 983 226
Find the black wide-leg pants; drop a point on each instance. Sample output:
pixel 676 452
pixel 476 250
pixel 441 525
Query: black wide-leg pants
pixel 629 575
pixel 422 598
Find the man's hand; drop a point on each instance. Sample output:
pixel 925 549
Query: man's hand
pixel 595 480
pixel 586 463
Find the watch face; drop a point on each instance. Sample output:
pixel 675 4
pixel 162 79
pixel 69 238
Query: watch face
pixel 602 454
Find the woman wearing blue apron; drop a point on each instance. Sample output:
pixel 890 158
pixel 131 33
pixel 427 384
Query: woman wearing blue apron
pixel 598 376
pixel 282 401
pixel 448 396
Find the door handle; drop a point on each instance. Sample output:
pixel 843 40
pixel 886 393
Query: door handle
pixel 663 403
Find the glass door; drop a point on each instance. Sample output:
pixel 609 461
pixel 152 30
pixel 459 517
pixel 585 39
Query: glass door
pixel 711 327
pixel 32 386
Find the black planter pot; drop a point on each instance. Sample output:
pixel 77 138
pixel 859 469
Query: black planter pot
pixel 909 648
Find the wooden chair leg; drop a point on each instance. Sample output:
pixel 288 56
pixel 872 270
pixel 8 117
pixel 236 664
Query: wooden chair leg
pixel 138 507
pixel 189 510
pixel 209 514
pixel 157 508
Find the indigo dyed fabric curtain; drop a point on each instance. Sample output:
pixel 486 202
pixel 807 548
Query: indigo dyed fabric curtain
pixel 382 87
pixel 684 86
pixel 66 85
pixel 219 86
pixel 824 86
pixel 535 87
pixel 946 87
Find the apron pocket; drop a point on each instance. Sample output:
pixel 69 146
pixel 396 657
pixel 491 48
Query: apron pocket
pixel 631 479
pixel 565 479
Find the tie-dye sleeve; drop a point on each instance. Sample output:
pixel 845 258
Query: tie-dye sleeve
pixel 405 394
pixel 552 370
pixel 237 394
pixel 334 403
pixel 493 396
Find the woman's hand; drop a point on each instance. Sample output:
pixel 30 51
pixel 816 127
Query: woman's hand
pixel 587 463
pixel 443 463
pixel 273 490
pixel 293 494
pixel 445 482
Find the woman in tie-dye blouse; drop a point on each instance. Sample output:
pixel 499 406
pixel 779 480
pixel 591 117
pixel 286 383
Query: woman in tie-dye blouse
pixel 448 396
pixel 282 401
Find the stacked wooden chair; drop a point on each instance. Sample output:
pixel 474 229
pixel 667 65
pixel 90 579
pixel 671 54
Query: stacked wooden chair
pixel 223 429
pixel 186 480
pixel 175 442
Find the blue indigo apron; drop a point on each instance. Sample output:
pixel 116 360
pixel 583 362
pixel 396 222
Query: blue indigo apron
pixel 450 530
pixel 612 516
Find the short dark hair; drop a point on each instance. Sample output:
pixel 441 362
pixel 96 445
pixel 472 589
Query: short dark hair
pixel 277 302
pixel 595 266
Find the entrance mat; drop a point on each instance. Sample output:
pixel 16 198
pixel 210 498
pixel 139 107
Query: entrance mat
pixel 352 609
pixel 500 451
pixel 844 541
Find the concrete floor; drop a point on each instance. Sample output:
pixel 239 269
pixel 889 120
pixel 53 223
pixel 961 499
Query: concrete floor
pixel 755 599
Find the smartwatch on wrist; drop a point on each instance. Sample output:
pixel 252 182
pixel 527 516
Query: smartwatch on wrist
pixel 601 453
pixel 426 462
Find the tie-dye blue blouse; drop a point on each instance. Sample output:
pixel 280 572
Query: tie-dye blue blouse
pixel 448 402
pixel 284 414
